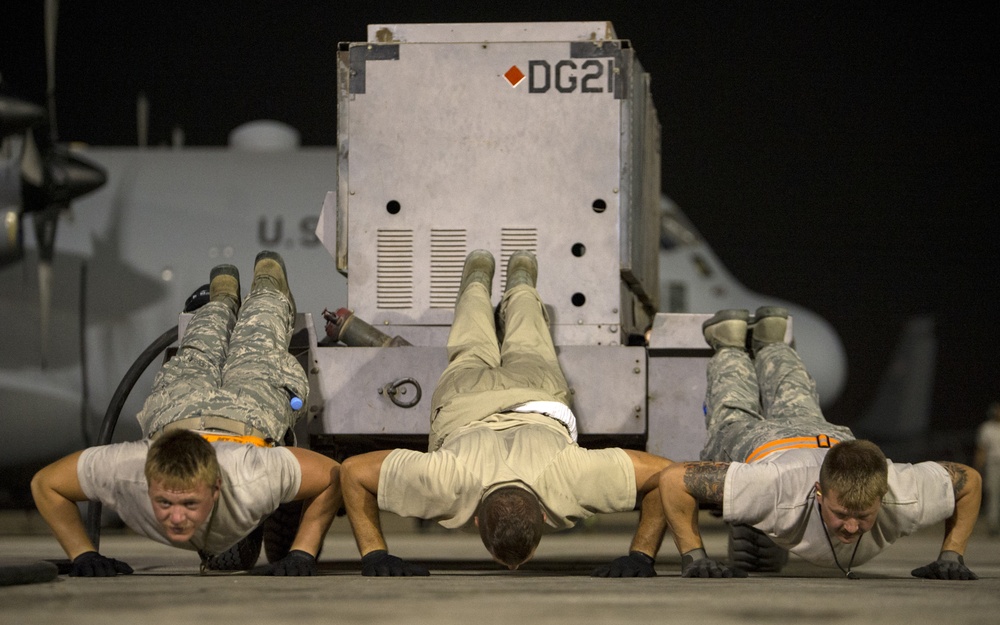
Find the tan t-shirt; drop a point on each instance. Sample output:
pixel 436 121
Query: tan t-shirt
pixel 527 450
pixel 255 480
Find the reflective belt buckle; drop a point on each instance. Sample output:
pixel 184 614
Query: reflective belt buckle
pixel 213 437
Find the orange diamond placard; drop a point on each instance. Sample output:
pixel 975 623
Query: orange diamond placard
pixel 514 75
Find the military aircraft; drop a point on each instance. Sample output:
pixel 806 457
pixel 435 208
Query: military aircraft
pixel 693 279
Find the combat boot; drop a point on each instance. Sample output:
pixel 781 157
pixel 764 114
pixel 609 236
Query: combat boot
pixel 522 268
pixel 727 328
pixel 768 326
pixel 479 267
pixel 269 273
pixel 224 284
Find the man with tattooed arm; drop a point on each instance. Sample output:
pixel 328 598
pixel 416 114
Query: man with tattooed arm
pixel 780 472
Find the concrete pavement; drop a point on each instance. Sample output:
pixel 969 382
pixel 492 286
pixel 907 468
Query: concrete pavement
pixel 465 587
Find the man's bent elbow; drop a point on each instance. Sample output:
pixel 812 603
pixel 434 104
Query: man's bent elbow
pixel 975 482
pixel 964 479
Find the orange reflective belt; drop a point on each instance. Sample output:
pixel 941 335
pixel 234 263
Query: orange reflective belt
pixel 794 442
pixel 236 438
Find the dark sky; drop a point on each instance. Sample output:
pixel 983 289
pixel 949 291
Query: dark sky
pixel 838 155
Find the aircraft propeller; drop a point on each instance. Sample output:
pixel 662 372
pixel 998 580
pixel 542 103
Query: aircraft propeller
pixel 51 177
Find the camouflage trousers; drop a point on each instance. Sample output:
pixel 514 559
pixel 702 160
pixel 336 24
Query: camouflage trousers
pixel 237 368
pixel 484 377
pixel 752 402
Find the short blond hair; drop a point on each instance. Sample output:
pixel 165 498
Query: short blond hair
pixel 857 471
pixel 181 459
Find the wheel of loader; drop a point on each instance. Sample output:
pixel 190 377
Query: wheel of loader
pixel 30 573
pixel 752 551
pixel 280 529
pixel 241 556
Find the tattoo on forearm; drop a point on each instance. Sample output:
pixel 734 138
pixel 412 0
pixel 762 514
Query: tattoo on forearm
pixel 958 474
pixel 706 480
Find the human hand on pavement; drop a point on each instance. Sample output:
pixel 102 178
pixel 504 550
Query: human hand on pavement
pixel 297 563
pixel 696 563
pixel 949 565
pixel 93 564
pixel 379 563
pixel 635 564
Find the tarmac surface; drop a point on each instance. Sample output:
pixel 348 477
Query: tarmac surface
pixel 466 587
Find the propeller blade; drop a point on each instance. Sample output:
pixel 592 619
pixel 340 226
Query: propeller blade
pixel 45 231
pixel 18 115
pixel 51 24
pixel 56 177
pixel 11 248
pixel 32 166
pixel 72 176
pixel 44 306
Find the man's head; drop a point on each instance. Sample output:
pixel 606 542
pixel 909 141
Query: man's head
pixel 852 481
pixel 510 521
pixel 183 476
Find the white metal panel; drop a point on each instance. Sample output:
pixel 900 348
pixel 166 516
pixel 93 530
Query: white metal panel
pixel 608 387
pixel 439 138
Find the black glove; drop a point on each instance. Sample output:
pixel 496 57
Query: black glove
pixel 949 565
pixel 93 564
pixel 380 564
pixel 696 563
pixel 635 564
pixel 753 551
pixel 297 563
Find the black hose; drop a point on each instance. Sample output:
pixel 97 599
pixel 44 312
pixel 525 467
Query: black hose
pixel 93 524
